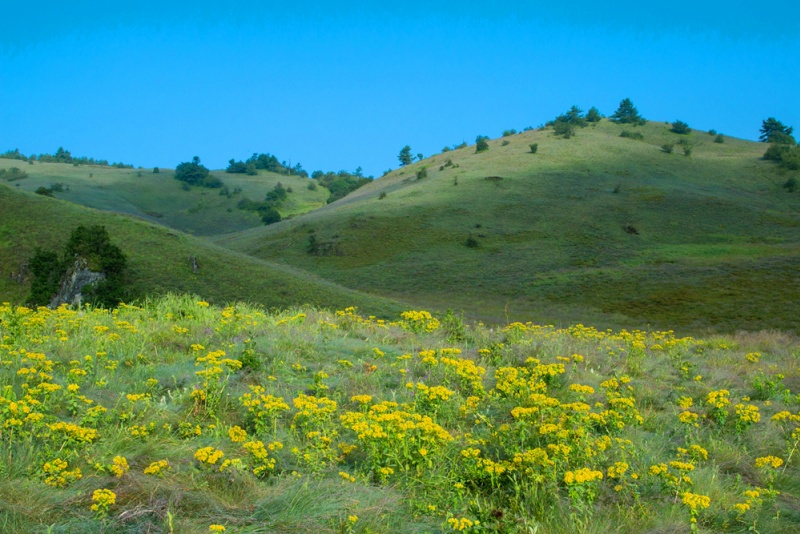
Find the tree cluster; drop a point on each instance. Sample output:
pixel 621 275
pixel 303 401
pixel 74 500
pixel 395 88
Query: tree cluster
pixel 61 156
pixel 195 173
pixel 266 162
pixel 91 244
pixel 341 183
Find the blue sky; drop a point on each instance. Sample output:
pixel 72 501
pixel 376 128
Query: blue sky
pixel 340 85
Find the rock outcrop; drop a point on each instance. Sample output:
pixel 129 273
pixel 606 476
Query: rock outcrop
pixel 77 277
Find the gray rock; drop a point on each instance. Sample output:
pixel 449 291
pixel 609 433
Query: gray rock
pixel 77 277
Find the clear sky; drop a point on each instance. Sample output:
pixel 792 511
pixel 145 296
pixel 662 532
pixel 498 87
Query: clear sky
pixel 336 85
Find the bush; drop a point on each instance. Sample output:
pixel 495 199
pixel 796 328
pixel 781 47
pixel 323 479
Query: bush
pixel 269 215
pixel 505 142
pixel 481 144
pixel 13 174
pixel 632 135
pixel 44 191
pixel 563 129
pixel 680 127
pixel 791 184
pixel 507 133
pixel 668 147
pixel 382 195
pixel 719 138
pixel 312 185
pixel 156 170
pixel 422 173
pixel 534 147
pixel 712 132
pixel 472 242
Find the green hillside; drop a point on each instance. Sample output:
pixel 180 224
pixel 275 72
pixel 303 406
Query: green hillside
pixel 597 228
pixel 158 259
pixel 157 197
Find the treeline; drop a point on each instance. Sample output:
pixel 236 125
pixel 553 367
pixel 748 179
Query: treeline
pixel 266 162
pixel 339 184
pixel 62 156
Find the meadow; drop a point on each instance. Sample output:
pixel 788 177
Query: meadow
pixel 174 415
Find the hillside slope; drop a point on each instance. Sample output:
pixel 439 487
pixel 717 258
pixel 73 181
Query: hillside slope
pixel 158 259
pixel 597 228
pixel 157 197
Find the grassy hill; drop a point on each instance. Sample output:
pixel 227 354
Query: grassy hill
pixel 160 198
pixel 178 416
pixel 598 228
pixel 158 259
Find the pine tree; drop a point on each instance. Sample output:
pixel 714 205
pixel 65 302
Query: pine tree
pixel 405 156
pixel 627 114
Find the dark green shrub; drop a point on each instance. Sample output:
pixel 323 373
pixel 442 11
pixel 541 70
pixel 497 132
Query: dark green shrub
pixel 507 133
pixel 422 173
pixel 563 129
pixel 791 184
pixel 534 147
pixel 481 144
pixel 46 272
pixel 156 170
pixel 712 132
pixel 269 215
pixel 687 150
pixel 719 138
pixel 680 127
pixel 382 195
pixel 632 135
pixel 463 144
pixel 42 190
pixel 312 185
pixel 505 142
pixel 446 149
pixel 668 147
pixel 472 242
pixel 13 174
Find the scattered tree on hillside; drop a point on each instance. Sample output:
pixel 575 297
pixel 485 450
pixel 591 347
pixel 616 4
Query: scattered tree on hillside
pixel 13 174
pixel 773 131
pixel 91 245
pixel 593 115
pixel 627 114
pixel 269 216
pixel 680 127
pixel 405 156
pixel 481 143
pixel 194 173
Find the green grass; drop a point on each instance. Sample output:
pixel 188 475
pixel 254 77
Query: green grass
pixel 165 380
pixel 159 198
pixel 158 259
pixel 597 227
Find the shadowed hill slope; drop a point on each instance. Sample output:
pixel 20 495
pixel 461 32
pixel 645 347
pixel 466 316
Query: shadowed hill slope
pixel 158 259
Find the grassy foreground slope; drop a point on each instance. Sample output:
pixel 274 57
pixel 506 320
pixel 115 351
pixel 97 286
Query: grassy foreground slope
pixel 183 417
pixel 160 198
pixel 158 259
pixel 597 228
